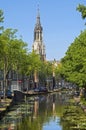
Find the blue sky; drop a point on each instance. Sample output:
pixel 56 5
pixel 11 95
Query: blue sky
pixel 60 21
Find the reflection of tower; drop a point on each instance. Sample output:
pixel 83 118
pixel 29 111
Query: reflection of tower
pixel 54 106
pixel 54 110
pixel 38 45
pixel 36 107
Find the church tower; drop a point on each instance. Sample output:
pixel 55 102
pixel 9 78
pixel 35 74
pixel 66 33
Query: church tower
pixel 38 45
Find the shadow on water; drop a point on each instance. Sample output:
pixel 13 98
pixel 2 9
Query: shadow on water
pixel 41 112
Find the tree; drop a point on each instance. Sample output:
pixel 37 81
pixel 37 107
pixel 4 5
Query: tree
pixel 12 50
pixel 31 66
pixel 1 19
pixel 82 9
pixel 58 72
pixel 35 62
pixel 74 62
pixel 45 72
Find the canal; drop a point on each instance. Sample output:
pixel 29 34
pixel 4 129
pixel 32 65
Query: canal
pixel 41 112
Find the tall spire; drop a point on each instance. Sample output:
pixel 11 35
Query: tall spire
pixel 38 17
pixel 38 28
pixel 38 45
pixel 38 10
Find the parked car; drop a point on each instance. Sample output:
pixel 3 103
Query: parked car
pixel 40 89
pixel 43 89
pixel 36 90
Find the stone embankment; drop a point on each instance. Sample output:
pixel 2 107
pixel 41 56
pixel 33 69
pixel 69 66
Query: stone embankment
pixel 4 106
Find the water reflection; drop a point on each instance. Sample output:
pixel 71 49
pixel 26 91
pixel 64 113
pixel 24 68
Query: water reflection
pixel 41 112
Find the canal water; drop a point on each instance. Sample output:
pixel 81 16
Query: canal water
pixel 41 112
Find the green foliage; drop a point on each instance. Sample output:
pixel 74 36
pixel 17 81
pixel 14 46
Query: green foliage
pixel 82 9
pixel 11 49
pixel 58 70
pixel 1 16
pixel 49 69
pixel 46 71
pixel 1 19
pixel 34 62
pixel 74 62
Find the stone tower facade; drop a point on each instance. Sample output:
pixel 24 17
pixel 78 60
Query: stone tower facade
pixel 38 45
